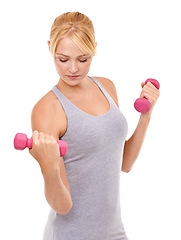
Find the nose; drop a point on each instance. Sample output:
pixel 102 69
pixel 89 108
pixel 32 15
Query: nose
pixel 73 68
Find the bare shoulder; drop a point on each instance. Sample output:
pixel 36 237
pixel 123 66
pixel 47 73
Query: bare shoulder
pixel 48 116
pixel 109 86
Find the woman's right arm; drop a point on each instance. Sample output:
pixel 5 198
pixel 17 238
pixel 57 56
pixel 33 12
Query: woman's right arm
pixel 46 151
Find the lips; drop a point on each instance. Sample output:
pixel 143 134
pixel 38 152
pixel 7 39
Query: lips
pixel 73 76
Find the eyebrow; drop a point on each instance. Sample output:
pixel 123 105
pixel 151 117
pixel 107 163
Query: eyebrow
pixel 83 55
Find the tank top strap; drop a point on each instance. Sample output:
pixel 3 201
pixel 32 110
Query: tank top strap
pixel 109 98
pixel 66 103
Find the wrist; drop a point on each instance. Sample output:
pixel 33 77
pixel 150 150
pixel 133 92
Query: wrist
pixel 146 116
pixel 145 119
pixel 50 171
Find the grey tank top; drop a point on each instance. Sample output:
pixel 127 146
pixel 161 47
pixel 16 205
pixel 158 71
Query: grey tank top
pixel 93 166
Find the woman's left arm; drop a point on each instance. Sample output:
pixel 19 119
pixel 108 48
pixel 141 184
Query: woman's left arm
pixel 133 145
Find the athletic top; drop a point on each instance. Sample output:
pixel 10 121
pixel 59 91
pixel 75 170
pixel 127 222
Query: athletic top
pixel 93 166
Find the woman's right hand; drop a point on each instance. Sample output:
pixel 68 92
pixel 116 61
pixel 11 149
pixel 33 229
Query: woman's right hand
pixel 45 150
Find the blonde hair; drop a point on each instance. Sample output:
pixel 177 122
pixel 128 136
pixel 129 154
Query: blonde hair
pixel 78 28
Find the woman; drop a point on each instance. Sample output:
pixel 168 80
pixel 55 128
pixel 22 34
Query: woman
pixel 83 187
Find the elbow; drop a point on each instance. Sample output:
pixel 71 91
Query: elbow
pixel 65 210
pixel 125 170
pixel 127 165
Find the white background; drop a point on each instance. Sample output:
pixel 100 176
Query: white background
pixel 136 40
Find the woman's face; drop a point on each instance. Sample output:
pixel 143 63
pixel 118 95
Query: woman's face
pixel 71 63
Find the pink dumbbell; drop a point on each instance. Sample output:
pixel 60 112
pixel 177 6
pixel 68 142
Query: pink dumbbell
pixel 21 142
pixel 142 104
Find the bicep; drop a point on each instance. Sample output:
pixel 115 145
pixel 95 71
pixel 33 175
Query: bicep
pixel 44 120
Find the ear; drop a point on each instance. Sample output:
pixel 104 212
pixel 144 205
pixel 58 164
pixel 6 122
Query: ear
pixel 96 44
pixel 49 45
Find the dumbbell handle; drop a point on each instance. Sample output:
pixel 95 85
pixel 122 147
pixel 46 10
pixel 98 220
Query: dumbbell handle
pixel 21 142
pixel 142 104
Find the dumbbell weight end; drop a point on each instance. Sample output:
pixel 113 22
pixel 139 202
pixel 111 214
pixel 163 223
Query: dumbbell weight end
pixel 21 141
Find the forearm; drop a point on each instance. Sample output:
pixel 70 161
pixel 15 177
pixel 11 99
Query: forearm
pixel 56 193
pixel 133 145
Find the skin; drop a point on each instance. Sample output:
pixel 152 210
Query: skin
pixel 49 120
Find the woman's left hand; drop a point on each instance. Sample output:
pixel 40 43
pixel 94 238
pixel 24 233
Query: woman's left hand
pixel 150 92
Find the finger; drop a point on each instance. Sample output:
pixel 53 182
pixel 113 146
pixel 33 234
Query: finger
pixel 54 142
pixel 145 88
pixel 42 137
pixel 149 87
pixel 154 92
pixel 152 86
pixel 35 135
pixel 152 97
pixel 53 139
pixel 143 84
pixel 47 138
pixel 147 93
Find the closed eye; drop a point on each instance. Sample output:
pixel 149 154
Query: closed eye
pixel 62 60
pixel 83 60
pixel 67 60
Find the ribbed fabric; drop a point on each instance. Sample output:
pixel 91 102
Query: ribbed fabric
pixel 93 166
